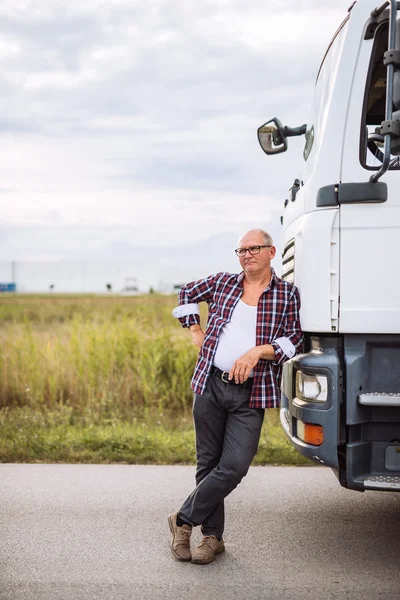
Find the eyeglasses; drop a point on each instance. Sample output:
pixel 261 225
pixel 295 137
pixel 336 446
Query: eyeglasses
pixel 251 250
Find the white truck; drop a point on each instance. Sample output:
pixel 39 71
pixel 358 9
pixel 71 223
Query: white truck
pixel 340 402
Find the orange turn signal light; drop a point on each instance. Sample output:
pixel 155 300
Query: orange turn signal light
pixel 310 433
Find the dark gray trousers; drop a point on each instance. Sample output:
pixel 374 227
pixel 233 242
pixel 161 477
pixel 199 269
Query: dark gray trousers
pixel 227 436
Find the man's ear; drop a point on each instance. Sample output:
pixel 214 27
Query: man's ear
pixel 272 252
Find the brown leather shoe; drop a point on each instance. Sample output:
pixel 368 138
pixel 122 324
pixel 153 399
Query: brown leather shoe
pixel 180 545
pixel 207 550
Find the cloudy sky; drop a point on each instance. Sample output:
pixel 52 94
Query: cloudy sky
pixel 128 128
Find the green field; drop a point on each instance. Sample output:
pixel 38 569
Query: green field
pixel 102 379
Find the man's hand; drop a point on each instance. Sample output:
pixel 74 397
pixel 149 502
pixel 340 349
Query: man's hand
pixel 197 335
pixel 243 365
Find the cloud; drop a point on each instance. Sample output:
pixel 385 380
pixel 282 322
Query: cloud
pixel 144 114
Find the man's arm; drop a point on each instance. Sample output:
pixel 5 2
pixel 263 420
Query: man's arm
pixel 197 335
pixel 243 365
pixel 277 351
pixel 187 311
pixel 189 295
pixel 291 342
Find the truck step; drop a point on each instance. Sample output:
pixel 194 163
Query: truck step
pixel 379 399
pixel 382 482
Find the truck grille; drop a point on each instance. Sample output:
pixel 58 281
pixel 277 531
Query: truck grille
pixel 288 262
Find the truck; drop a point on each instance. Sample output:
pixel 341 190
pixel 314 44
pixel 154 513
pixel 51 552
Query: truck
pixel 340 398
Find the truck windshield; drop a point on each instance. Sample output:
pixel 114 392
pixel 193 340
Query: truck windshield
pixel 331 43
pixel 323 92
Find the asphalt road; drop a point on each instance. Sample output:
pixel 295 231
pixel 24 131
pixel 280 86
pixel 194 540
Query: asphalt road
pixel 88 532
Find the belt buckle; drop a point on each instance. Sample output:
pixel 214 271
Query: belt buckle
pixel 223 375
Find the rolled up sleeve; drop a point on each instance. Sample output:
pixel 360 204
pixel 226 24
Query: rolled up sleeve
pixel 291 342
pixel 189 295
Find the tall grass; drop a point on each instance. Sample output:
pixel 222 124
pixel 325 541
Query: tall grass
pixel 102 379
pixel 115 354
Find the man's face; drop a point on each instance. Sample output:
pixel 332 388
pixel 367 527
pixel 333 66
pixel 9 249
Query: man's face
pixel 255 263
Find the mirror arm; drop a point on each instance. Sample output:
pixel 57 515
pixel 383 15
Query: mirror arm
pixel 293 131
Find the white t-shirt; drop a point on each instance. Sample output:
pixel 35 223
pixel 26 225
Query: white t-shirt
pixel 237 336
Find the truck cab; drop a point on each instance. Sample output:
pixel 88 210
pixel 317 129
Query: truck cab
pixel 340 403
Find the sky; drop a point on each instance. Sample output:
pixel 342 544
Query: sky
pixel 128 128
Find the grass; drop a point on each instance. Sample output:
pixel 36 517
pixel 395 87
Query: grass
pixel 112 353
pixel 62 436
pixel 102 379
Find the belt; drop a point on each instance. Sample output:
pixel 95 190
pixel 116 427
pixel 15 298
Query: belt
pixel 223 375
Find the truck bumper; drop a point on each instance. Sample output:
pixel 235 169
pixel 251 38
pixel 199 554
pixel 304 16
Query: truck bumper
pixel 360 427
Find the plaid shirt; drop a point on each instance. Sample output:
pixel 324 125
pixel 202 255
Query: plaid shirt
pixel 277 317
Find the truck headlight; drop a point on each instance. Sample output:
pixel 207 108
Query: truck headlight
pixel 311 388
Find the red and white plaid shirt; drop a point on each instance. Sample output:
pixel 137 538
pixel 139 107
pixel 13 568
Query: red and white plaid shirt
pixel 277 318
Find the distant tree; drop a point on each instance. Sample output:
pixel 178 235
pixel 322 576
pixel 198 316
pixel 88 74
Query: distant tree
pixel 109 287
pixel 151 290
pixel 51 287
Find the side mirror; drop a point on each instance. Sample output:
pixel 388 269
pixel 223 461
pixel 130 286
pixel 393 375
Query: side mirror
pixel 271 137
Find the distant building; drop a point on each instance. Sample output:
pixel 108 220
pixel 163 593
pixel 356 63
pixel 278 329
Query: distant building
pixel 8 287
pixel 130 286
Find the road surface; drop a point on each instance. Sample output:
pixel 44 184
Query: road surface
pixel 88 532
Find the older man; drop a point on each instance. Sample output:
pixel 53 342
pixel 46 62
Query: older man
pixel 253 327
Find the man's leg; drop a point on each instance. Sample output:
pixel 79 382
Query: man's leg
pixel 210 421
pixel 209 417
pixel 242 434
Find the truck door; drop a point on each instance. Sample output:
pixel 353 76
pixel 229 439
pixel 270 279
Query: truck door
pixel 369 232
pixel 369 314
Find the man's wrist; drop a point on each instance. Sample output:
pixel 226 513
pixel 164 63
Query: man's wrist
pixel 267 352
pixel 260 352
pixel 195 327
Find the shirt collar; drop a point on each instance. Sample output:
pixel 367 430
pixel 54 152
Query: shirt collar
pixel 274 278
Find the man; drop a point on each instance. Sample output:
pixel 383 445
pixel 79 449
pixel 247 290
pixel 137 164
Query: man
pixel 253 327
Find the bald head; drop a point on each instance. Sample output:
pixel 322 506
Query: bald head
pixel 264 237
